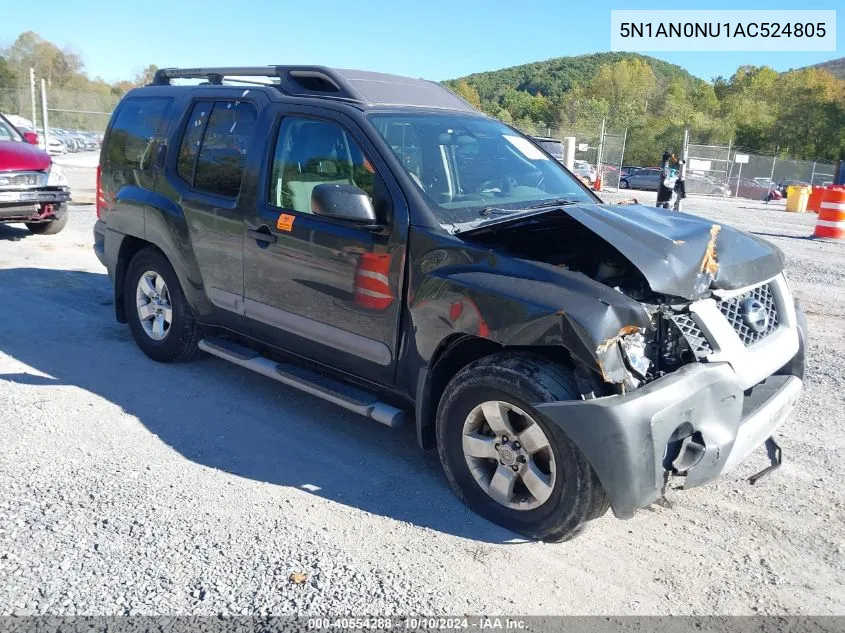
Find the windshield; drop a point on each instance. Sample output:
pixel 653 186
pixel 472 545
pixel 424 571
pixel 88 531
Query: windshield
pixel 465 166
pixel 8 131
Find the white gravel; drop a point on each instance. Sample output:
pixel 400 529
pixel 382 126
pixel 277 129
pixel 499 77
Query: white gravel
pixel 129 487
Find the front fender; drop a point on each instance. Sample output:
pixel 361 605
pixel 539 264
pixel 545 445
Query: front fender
pixel 570 310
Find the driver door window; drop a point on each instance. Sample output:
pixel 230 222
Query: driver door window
pixel 310 152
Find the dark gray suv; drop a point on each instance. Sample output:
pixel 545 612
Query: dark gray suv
pixel 375 241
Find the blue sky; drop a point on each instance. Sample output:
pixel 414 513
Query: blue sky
pixel 435 39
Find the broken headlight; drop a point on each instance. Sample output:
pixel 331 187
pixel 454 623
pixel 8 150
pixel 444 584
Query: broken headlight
pixel 633 348
pixel 56 177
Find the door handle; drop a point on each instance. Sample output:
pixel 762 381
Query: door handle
pixel 262 234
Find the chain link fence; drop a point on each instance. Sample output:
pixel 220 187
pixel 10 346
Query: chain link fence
pixel 588 142
pixel 76 110
pixel 708 169
pixel 728 171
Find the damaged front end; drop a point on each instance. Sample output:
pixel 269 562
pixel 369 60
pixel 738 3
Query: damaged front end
pixel 33 196
pixel 710 367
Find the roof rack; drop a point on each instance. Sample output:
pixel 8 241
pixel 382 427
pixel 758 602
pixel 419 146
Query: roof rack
pixel 292 80
pixel 359 86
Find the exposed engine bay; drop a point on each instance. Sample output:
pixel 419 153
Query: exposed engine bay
pixel 566 243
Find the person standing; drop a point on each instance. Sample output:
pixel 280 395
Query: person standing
pixel 667 184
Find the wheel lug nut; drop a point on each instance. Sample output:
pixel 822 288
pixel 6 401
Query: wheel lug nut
pixel 516 445
pixel 504 438
pixel 515 467
pixel 496 445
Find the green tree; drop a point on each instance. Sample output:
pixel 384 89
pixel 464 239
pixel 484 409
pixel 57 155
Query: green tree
pixel 469 94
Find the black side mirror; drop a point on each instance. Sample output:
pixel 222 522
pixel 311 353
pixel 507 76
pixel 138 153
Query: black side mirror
pixel 344 202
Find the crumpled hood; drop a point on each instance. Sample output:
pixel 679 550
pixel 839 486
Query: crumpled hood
pixel 673 251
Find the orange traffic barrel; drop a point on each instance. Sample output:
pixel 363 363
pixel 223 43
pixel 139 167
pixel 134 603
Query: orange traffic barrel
pixel 372 282
pixel 815 199
pixel 597 183
pixel 831 221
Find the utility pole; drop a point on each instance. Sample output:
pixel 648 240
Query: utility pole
pixel 32 96
pixel 44 115
pixel 599 170
pixel 772 175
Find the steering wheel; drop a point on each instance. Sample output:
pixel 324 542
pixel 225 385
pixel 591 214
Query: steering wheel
pixel 504 185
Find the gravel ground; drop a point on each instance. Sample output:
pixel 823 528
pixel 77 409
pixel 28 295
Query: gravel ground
pixel 129 487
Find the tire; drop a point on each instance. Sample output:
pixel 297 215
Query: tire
pixel 183 333
pixel 623 184
pixel 519 380
pixel 48 228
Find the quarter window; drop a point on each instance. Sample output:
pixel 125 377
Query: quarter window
pixel 310 152
pixel 190 148
pixel 135 131
pixel 213 150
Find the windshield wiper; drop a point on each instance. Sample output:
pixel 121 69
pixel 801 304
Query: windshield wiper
pixel 558 202
pixel 487 212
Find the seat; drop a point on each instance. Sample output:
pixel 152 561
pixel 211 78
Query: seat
pixel 313 161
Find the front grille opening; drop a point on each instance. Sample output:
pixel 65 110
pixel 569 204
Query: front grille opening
pixel 735 312
pixel 698 343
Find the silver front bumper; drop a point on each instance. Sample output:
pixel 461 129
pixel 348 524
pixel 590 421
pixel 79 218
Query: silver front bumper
pixel 759 425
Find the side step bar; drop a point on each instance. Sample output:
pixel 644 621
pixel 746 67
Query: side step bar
pixel 348 397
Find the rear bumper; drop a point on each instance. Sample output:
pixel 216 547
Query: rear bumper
pixel 100 241
pixel 627 437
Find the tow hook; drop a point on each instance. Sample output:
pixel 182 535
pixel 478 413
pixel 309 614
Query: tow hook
pixel 776 457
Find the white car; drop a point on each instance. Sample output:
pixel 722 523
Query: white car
pixel 584 169
pixel 57 146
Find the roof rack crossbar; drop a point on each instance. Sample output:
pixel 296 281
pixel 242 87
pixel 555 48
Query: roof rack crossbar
pixel 290 78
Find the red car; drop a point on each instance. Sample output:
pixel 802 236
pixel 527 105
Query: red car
pixel 747 188
pixel 32 189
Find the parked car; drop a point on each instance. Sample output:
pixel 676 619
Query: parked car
pixel 648 179
pixel 784 184
pixel 627 170
pixel 706 185
pixel 32 189
pixel 378 243
pixel 551 145
pixel 585 170
pixel 752 189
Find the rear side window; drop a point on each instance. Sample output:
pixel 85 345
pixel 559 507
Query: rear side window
pixel 136 130
pixel 213 149
pixel 190 148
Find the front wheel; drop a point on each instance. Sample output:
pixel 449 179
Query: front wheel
pixel 505 459
pixel 48 228
pixel 158 313
pixel 623 184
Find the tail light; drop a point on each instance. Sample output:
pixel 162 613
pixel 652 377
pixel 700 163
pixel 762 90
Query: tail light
pixel 101 200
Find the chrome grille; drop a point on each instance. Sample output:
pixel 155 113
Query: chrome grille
pixel 22 179
pixel 699 345
pixel 732 309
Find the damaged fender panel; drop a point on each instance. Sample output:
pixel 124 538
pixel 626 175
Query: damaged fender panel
pixel 567 309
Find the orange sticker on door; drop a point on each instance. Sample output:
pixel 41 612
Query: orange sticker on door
pixel 285 222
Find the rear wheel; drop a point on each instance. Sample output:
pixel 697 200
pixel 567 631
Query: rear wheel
pixel 159 316
pixel 48 228
pixel 505 459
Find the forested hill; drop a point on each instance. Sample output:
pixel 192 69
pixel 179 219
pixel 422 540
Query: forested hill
pixel 553 77
pixel 835 67
pixel 799 113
